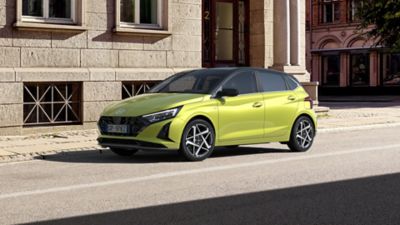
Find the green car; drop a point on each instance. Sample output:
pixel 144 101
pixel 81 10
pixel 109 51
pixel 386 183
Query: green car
pixel 196 111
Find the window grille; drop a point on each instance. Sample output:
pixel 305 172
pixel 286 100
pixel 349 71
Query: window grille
pixel 133 88
pixel 52 103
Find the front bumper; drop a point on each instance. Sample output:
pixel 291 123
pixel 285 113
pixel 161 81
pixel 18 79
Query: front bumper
pixel 129 144
pixel 148 138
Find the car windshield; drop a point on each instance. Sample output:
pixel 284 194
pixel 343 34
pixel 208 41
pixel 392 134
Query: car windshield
pixel 198 81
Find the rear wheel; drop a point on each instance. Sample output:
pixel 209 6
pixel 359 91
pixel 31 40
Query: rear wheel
pixel 198 140
pixel 302 135
pixel 123 152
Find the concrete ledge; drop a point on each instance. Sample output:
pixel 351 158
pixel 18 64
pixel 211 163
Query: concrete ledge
pixel 52 74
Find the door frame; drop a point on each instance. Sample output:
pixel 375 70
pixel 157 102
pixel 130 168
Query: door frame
pixel 210 14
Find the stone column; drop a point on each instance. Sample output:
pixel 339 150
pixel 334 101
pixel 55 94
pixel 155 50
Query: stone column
pixel 373 69
pixel 344 70
pixel 295 32
pixel 281 33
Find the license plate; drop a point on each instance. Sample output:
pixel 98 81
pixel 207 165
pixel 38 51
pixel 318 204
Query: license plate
pixel 120 129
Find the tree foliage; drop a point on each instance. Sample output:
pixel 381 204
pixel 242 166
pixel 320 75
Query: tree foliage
pixel 384 16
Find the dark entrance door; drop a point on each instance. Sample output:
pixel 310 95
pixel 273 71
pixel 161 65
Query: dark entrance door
pixel 225 33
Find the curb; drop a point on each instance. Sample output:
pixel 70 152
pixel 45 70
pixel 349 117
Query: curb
pixel 355 128
pixel 42 155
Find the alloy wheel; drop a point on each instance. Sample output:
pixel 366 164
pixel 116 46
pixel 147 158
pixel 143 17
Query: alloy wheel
pixel 199 140
pixel 304 134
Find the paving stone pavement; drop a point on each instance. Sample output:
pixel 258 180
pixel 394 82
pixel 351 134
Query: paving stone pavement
pixel 341 115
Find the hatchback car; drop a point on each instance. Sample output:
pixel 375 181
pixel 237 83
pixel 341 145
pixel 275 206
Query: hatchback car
pixel 195 111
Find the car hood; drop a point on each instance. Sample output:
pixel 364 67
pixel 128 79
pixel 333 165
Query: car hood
pixel 149 103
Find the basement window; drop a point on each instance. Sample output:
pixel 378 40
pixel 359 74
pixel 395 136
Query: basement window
pixel 52 104
pixel 133 88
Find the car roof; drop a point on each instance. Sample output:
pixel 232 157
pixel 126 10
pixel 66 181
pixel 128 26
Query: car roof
pixel 238 69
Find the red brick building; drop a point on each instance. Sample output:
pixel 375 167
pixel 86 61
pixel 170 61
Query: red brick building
pixel 342 60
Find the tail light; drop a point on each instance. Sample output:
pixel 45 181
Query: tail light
pixel 309 99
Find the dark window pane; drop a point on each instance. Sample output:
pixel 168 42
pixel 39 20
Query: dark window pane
pixel 128 11
pixel 60 8
pixel 331 69
pixel 32 8
pixel 328 13
pixel 272 82
pixel 245 83
pixel 360 69
pixel 391 69
pixel 148 11
pixel 336 12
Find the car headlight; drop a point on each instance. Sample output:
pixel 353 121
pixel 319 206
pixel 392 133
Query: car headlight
pixel 163 115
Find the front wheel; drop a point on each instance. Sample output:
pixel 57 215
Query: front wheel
pixel 198 140
pixel 123 152
pixel 302 135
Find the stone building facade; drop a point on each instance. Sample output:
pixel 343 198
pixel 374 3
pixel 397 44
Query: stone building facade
pixel 341 59
pixel 62 62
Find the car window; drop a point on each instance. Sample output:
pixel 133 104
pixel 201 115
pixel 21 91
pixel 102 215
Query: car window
pixel 292 82
pixel 198 81
pixel 272 82
pixel 244 82
pixel 186 82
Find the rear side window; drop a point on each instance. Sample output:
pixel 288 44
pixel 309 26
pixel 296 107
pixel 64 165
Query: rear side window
pixel 292 82
pixel 244 82
pixel 272 82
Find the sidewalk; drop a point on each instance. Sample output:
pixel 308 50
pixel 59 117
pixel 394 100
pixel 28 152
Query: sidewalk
pixel 349 115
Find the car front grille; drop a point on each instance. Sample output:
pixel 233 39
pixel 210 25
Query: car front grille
pixel 135 125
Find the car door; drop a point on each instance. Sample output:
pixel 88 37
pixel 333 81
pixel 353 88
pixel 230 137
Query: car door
pixel 241 117
pixel 281 103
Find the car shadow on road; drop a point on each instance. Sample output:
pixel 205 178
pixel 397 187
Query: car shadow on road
pixel 142 157
pixel 366 201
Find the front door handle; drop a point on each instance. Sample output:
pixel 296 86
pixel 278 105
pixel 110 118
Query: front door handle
pixel 292 98
pixel 257 105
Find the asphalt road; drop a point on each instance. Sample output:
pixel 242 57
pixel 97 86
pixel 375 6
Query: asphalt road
pixel 349 177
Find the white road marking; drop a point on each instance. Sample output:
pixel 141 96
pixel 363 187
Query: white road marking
pixel 190 172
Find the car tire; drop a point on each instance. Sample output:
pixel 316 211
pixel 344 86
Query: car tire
pixel 195 147
pixel 124 152
pixel 302 135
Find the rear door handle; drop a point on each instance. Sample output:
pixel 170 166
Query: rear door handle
pixel 257 104
pixel 292 98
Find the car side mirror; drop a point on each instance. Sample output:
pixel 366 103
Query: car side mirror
pixel 227 92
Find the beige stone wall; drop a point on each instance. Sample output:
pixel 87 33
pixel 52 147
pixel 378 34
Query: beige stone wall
pixel 100 58
pixel 97 56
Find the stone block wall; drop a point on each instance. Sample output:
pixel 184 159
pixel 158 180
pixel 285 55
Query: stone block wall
pixel 96 56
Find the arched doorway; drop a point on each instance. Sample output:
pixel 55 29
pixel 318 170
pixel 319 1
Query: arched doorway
pixel 225 33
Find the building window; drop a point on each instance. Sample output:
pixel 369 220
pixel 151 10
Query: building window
pixel 52 103
pixel 331 69
pixel 144 14
pixel 359 69
pixel 330 11
pixel 51 14
pixel 50 11
pixel 354 7
pixel 133 88
pixel 391 69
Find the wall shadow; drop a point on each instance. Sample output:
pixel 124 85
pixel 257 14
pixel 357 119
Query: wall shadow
pixel 365 201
